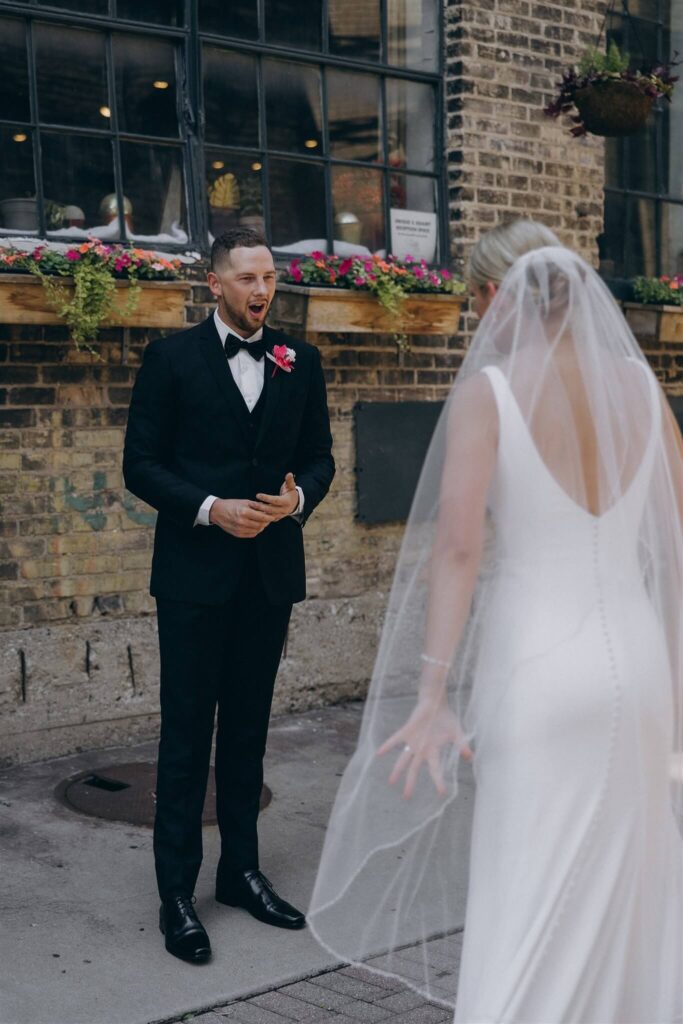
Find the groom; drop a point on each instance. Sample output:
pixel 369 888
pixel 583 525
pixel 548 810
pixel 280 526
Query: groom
pixel 229 439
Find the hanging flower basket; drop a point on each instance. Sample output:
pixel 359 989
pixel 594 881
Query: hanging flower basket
pixel 609 97
pixel 613 107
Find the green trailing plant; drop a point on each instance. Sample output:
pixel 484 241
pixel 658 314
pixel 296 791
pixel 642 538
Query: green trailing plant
pixel 90 297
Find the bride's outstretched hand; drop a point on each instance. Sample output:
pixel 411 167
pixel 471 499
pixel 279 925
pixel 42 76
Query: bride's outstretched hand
pixel 426 732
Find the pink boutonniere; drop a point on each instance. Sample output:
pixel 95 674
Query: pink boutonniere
pixel 283 358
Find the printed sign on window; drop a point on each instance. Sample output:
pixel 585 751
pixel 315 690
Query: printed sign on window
pixel 413 233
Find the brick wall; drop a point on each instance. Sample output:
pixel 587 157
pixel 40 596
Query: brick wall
pixel 506 159
pixel 78 647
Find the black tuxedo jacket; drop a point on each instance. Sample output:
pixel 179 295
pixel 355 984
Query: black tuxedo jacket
pixel 190 434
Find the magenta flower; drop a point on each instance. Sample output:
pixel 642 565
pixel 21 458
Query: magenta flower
pixel 419 272
pixel 73 255
pixel 317 255
pixel 359 281
pixel 295 272
pixel 345 266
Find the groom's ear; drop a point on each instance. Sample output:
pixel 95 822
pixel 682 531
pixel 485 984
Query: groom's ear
pixel 214 284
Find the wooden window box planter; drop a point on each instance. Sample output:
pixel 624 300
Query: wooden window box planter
pixel 161 303
pixel 342 311
pixel 655 324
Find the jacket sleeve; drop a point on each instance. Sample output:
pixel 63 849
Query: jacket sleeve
pixel 149 438
pixel 313 462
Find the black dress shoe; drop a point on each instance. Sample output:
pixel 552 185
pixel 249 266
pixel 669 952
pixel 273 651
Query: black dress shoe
pixel 252 891
pixel 184 932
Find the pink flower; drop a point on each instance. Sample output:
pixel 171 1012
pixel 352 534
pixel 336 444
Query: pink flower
pixel 446 275
pixel 434 278
pixel 295 272
pixel 419 272
pixel 317 255
pixel 73 255
pixel 359 281
pixel 345 266
pixel 283 358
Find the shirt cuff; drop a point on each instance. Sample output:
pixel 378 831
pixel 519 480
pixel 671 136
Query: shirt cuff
pixel 298 512
pixel 202 518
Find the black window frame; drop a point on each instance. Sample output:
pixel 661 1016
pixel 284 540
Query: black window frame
pixel 659 195
pixel 191 140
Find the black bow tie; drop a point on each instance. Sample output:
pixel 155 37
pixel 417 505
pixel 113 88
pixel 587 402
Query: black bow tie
pixel 232 345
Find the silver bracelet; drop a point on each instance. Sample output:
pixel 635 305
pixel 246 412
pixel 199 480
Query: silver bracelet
pixel 435 661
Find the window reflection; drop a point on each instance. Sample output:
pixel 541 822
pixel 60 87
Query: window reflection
pixel 413 34
pixel 411 124
pixel 293 115
pixel 297 206
pixel 354 29
pixel 14 95
pixel 287 24
pixel 71 70
pixel 170 12
pixel 230 97
pixel 153 183
pixel 78 175
pixel 18 205
pixel 237 18
pixel 354 115
pixel 80 6
pixel 234 191
pixel 358 207
pixel 145 86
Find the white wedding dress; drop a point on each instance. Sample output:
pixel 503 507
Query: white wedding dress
pixel 576 876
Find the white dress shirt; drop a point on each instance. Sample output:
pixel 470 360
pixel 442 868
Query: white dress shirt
pixel 248 374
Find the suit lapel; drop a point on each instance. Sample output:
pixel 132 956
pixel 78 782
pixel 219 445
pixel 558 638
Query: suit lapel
pixel 272 385
pixel 214 353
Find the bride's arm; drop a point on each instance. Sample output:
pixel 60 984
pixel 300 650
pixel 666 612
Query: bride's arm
pixel 456 556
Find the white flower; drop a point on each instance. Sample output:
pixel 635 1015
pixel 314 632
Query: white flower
pixel 291 355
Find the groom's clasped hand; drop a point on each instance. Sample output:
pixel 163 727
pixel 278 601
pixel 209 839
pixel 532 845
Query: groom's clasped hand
pixel 243 517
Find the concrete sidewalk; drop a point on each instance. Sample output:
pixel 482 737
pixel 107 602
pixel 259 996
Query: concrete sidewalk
pixel 79 942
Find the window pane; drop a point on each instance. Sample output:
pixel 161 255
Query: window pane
pixel 78 175
pixel 145 85
pixel 288 25
pixel 153 182
pixel 672 238
pixel 413 34
pixel 14 96
pixel 237 18
pixel 170 12
pixel 72 76
pixel 234 187
pixel 297 204
pixel 672 117
pixel 358 209
pixel 628 245
pixel 414 222
pixel 81 6
pixel 293 106
pixel 411 124
pixel 18 209
pixel 354 29
pixel 354 112
pixel 230 98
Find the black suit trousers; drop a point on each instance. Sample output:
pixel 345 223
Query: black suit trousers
pixel 214 656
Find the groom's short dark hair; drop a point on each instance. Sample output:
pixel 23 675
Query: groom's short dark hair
pixel 232 239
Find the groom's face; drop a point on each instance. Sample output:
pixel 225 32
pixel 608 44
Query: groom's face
pixel 243 284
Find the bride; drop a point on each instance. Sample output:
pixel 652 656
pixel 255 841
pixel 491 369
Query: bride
pixel 516 791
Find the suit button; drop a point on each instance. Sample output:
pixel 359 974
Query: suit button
pixel 254 462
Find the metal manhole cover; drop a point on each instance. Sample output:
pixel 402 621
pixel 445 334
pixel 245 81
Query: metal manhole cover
pixel 126 792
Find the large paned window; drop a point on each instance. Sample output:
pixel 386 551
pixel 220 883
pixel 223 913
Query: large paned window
pixel 169 122
pixel 644 181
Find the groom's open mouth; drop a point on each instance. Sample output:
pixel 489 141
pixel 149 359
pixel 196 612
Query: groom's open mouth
pixel 257 309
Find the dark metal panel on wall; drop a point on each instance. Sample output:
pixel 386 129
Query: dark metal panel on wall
pixel 391 443
pixel 392 439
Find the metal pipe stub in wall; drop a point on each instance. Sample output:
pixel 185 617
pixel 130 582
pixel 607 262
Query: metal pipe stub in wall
pixel 126 792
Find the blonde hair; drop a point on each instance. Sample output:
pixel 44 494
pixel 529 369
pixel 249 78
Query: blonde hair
pixel 498 249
